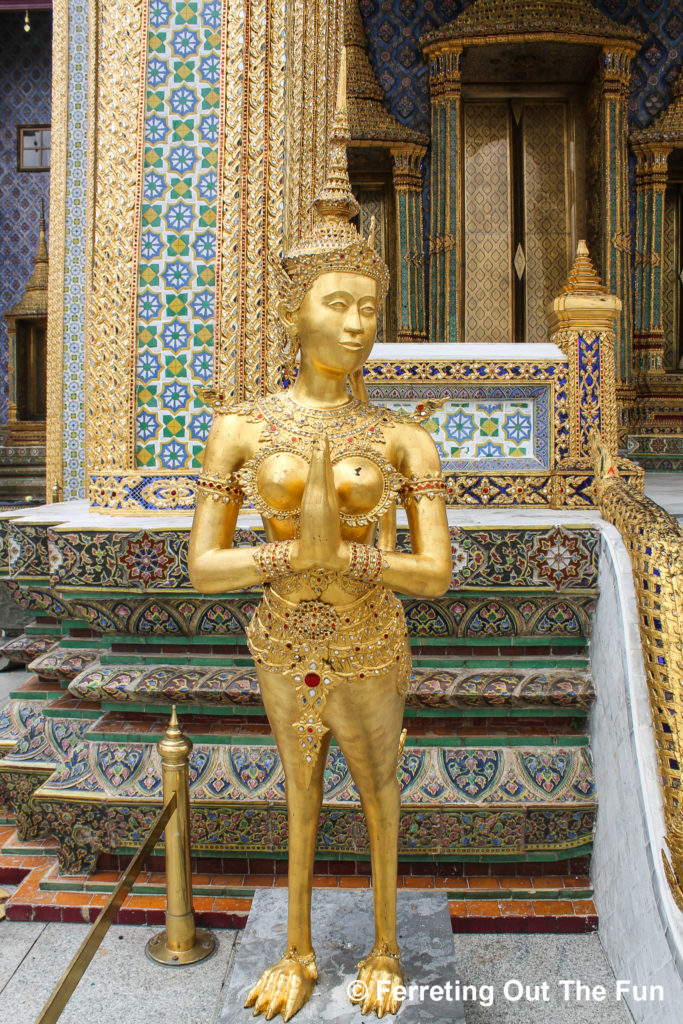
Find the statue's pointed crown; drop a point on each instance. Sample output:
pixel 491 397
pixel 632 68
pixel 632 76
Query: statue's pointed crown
pixel 333 243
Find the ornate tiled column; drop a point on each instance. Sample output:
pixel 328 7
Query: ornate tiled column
pixel 581 322
pixel 446 190
pixel 651 174
pixel 615 239
pixel 407 178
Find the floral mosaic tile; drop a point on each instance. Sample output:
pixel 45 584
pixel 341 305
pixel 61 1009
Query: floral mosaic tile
pixel 76 232
pixel 428 776
pixel 508 433
pixel 178 231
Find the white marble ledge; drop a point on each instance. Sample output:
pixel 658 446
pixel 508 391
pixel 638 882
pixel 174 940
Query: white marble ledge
pixel 76 515
pixel 489 352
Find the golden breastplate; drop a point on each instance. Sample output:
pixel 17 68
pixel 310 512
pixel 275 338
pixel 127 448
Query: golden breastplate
pixel 274 479
pixel 361 482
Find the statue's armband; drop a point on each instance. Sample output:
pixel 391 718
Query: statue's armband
pixel 415 488
pixel 221 487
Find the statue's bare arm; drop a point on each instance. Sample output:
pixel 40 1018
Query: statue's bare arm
pixel 426 572
pixel 213 564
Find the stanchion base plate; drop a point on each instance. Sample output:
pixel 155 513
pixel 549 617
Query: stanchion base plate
pixel 205 945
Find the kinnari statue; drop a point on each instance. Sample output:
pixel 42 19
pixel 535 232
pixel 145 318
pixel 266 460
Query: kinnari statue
pixel 325 469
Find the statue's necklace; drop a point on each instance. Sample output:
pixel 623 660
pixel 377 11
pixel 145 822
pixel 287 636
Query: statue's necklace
pixel 349 425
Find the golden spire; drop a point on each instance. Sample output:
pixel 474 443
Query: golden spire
pixel 333 243
pixel 583 277
pixel 38 280
pixel 368 119
pixel 336 199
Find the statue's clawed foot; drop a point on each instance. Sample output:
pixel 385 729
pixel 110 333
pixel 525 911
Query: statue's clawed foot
pixel 379 977
pixel 285 987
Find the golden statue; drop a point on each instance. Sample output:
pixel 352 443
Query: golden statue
pixel 329 640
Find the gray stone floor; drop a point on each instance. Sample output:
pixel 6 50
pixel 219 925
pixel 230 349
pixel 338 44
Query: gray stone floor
pixel 10 680
pixel 511 976
pixel 122 986
pixel 667 490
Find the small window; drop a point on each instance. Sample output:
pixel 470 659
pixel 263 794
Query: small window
pixel 33 147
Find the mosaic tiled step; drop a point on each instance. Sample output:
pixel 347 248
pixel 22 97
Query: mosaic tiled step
pixel 85 827
pixel 23 649
pixel 433 729
pixel 498 902
pixel 460 688
pixel 39 737
pixel 462 614
pixel 441 775
pixel 62 663
pixel 33 744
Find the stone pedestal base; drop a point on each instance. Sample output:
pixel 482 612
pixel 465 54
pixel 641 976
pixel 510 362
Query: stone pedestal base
pixel 343 932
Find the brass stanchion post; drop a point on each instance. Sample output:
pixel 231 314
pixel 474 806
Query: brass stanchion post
pixel 181 943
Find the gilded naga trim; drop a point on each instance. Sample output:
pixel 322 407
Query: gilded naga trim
pixel 654 540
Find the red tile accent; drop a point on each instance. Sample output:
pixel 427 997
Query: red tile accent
pixel 48 912
pixel 128 915
pixel 75 915
pixel 18 911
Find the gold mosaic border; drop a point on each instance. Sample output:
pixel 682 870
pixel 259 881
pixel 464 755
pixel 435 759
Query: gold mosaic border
pixel 109 362
pixel 654 540
pixel 55 306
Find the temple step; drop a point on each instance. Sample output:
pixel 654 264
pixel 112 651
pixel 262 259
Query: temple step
pixel 498 684
pixel 526 898
pixel 21 650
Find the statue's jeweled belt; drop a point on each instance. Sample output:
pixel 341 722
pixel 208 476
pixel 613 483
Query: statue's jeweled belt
pixel 318 645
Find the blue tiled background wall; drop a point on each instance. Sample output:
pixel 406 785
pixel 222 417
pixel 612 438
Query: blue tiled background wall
pixel 395 26
pixel 25 84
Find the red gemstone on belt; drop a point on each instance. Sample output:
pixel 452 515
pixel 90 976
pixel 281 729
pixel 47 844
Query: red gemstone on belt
pixel 312 679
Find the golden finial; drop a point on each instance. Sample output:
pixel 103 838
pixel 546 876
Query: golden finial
pixel 336 199
pixel 334 244
pixel 583 277
pixel 373 231
pixel 341 105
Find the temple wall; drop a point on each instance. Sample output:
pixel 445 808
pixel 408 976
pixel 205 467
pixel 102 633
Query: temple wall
pixel 25 72
pixel 394 29
pixel 640 926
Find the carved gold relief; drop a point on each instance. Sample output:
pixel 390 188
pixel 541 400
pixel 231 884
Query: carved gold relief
pixel 109 369
pixel 654 540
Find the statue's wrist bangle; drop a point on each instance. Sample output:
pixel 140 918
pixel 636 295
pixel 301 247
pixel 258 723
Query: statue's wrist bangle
pixel 273 560
pixel 365 563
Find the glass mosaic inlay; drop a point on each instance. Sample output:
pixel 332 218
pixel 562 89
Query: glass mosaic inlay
pixel 176 284
pixel 506 429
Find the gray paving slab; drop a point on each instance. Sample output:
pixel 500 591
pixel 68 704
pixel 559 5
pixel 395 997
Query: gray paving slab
pixel 121 985
pixel 16 941
pixel 514 979
pixel 10 679
pixel 667 490
pixel 343 931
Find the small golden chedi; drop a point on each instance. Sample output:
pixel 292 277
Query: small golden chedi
pixel 325 469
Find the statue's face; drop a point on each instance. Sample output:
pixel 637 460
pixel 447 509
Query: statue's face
pixel 337 321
